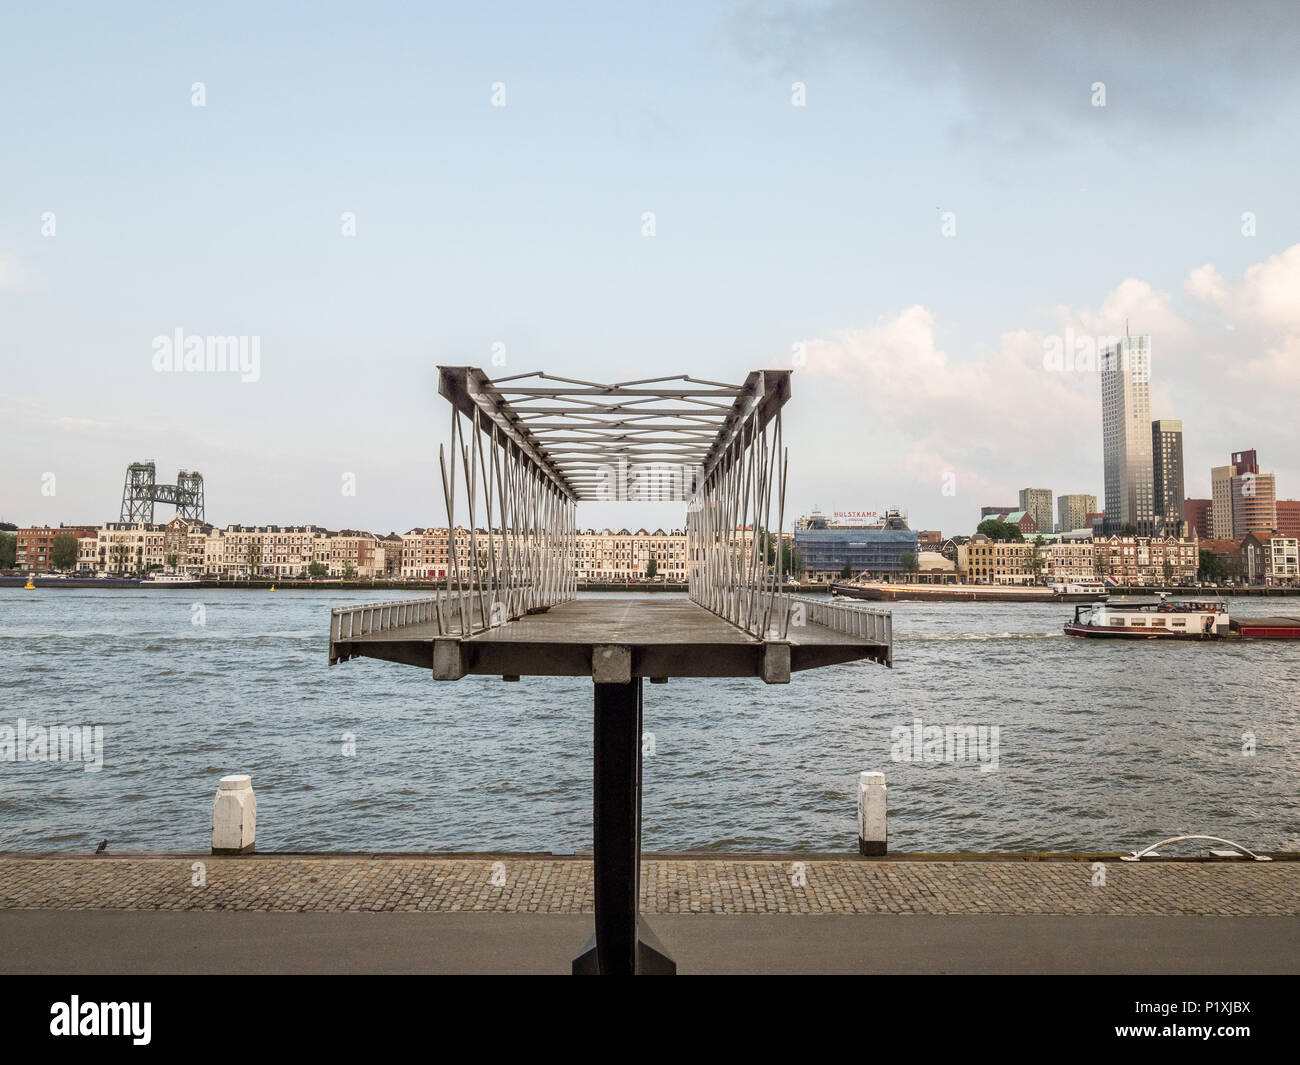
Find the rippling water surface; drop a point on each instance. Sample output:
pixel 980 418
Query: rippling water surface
pixel 1102 744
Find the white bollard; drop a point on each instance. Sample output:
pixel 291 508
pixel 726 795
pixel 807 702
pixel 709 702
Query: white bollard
pixel 873 834
pixel 234 816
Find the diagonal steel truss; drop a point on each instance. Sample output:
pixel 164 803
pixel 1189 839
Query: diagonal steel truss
pixel 524 450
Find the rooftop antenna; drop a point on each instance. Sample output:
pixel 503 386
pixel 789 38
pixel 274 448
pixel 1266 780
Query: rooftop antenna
pixel 1126 333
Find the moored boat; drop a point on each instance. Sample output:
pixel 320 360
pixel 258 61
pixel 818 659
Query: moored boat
pixel 1160 619
pixel 1081 591
pixel 169 580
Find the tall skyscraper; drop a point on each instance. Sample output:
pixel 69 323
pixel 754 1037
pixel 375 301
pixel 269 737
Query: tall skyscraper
pixel 1038 502
pixel 1221 502
pixel 1167 467
pixel 1126 434
pixel 1254 503
pixel 1072 511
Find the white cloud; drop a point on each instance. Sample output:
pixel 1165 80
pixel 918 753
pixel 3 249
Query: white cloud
pixel 11 273
pixel 998 420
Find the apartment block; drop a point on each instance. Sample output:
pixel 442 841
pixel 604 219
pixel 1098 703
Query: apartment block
pixel 1167 468
pixel 1073 511
pixel 1038 502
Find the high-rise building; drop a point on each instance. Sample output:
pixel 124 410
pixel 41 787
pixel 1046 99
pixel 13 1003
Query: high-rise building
pixel 1072 511
pixel 1038 502
pixel 1126 433
pixel 1221 502
pixel 1254 503
pixel 1167 468
pixel 1246 461
pixel 1197 514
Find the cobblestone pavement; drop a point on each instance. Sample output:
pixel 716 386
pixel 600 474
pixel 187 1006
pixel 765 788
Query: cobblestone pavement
pixel 733 885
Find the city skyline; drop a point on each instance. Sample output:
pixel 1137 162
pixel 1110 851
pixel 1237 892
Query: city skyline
pixel 919 294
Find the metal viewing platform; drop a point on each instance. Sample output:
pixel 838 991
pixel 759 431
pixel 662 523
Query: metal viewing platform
pixel 523 451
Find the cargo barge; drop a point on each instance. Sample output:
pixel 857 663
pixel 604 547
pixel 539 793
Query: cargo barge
pixel 967 593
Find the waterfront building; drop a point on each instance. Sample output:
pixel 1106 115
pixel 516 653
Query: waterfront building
pixel 1167 468
pixel 616 556
pixel 1196 512
pixel 1141 559
pixel 985 561
pixel 34 545
pixel 1126 433
pixel 1282 559
pixel 1069 560
pixel 1073 511
pixel 824 552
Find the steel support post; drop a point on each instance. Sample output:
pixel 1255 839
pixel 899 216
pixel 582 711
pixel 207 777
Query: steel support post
pixel 622 945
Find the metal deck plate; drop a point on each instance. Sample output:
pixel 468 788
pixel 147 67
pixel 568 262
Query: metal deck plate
pixel 664 637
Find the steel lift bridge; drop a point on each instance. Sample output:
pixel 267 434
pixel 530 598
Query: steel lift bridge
pixel 522 452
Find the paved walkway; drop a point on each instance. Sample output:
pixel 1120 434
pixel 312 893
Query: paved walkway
pixel 126 941
pixel 724 885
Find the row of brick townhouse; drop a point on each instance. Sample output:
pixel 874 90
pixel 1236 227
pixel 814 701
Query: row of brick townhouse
pixel 34 546
pixel 198 549
pixel 1122 559
pixel 623 555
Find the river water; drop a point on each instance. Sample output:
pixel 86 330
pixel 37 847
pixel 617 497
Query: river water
pixel 1100 745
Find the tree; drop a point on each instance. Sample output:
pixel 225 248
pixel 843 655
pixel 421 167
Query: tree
pixel 790 559
pixel 1034 557
pixel 847 571
pixel 651 567
pixel 64 549
pixel 907 562
pixel 173 560
pixel 1210 565
pixel 1129 529
pixel 348 571
pixel 999 530
pixel 1169 571
pixel 317 569
pixel 8 550
pixel 253 555
pixel 119 555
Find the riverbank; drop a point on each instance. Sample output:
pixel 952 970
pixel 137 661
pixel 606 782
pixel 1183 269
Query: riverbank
pixel 796 883
pixel 511 913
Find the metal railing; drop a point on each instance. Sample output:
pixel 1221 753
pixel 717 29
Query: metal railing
pixel 852 619
pixel 367 619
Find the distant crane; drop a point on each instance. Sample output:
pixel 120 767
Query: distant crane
pixel 141 491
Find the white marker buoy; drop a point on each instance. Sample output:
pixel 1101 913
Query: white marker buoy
pixel 873 833
pixel 234 816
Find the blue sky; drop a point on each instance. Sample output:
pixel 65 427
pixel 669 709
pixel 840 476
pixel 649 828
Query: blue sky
pixel 522 225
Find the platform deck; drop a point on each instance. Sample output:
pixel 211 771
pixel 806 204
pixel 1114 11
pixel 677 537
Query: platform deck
pixel 664 637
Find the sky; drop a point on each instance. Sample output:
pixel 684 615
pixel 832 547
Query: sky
pixel 909 205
